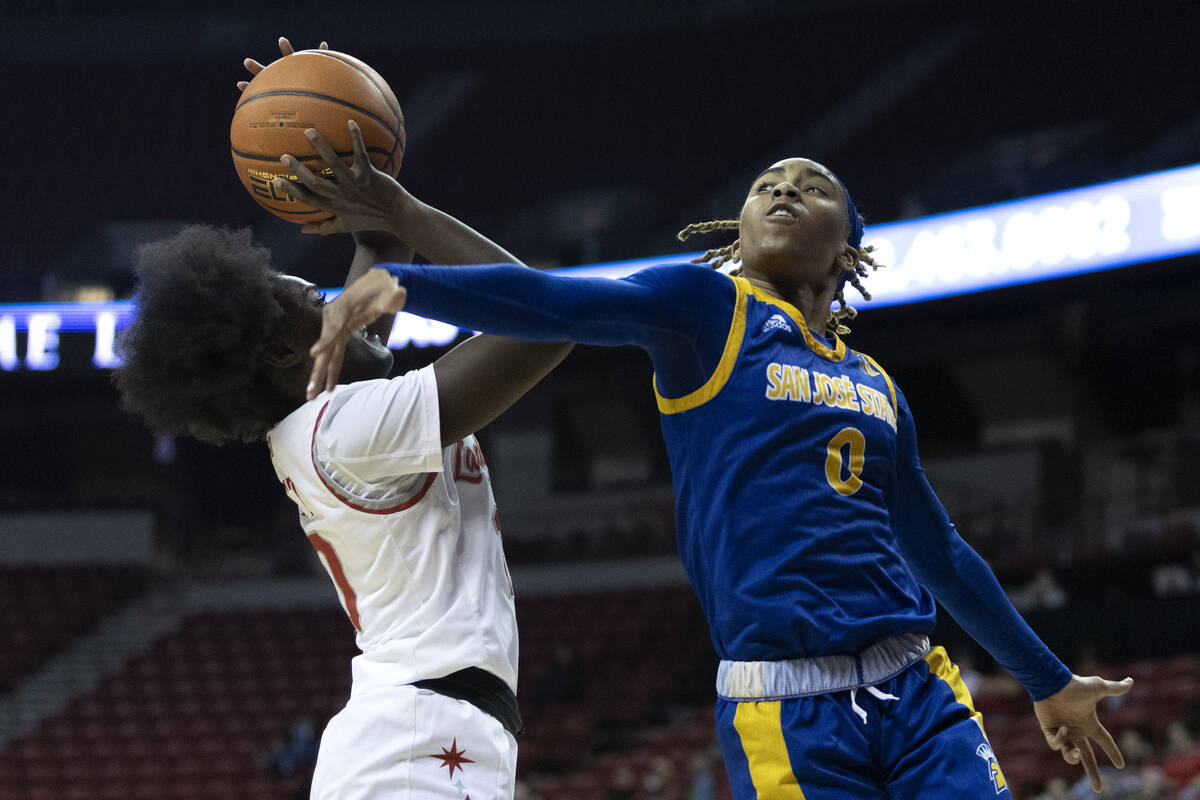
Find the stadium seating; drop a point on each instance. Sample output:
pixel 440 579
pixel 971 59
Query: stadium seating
pixel 41 609
pixel 196 713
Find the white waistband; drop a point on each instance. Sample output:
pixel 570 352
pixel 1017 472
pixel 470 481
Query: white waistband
pixel 799 677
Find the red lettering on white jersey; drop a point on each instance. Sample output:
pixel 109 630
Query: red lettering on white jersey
pixel 289 486
pixel 468 462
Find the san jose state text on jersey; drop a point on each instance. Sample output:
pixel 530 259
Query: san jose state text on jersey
pixel 800 438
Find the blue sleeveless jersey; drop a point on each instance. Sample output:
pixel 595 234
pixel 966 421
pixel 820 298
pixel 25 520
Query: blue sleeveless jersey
pixel 782 508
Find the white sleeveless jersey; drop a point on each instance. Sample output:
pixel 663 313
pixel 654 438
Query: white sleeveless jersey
pixel 407 530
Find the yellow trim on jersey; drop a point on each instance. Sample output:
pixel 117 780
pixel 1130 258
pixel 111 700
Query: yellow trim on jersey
pixel 886 377
pixel 941 667
pixel 733 346
pixel 761 732
pixel 837 353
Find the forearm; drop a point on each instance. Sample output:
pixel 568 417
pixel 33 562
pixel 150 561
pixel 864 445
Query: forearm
pixel 967 588
pixel 961 580
pixel 442 239
pixel 499 371
pixel 371 248
pixel 523 303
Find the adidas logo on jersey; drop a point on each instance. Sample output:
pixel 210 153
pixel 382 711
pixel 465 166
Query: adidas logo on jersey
pixel 776 322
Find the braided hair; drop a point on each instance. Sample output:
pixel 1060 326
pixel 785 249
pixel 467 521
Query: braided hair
pixel 854 275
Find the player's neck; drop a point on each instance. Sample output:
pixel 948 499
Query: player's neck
pixel 813 304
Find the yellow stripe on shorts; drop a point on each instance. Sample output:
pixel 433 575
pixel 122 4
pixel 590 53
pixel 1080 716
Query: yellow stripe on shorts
pixel 941 667
pixel 761 732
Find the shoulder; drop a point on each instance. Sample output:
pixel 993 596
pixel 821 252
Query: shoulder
pixel 685 280
pixel 358 418
pixel 869 366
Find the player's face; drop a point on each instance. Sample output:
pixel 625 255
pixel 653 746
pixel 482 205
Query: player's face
pixel 794 223
pixel 366 358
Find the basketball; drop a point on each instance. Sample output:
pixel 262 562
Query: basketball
pixel 319 89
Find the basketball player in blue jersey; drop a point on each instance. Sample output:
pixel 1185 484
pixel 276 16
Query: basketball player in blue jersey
pixel 805 523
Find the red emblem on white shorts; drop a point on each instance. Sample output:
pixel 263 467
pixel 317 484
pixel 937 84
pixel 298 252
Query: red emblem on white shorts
pixel 452 758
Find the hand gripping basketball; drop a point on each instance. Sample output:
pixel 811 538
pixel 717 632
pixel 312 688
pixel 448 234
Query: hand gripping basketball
pixel 285 49
pixel 319 89
pixel 360 196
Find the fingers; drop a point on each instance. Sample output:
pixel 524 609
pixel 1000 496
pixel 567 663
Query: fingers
pixel 396 301
pixel 1105 740
pixel 297 192
pixel 241 85
pixel 305 175
pixel 252 66
pixel 285 47
pixel 316 378
pixel 335 368
pixel 324 46
pixel 1117 688
pixel 1088 759
pixel 361 159
pixel 327 352
pixel 1058 740
pixel 340 171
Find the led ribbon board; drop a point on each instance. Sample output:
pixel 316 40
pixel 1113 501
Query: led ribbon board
pixel 1131 221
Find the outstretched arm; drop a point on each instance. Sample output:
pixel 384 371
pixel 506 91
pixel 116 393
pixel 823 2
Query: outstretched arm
pixel 669 313
pixel 479 379
pixel 963 583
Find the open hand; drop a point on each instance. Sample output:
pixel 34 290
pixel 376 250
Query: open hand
pixel 375 293
pixel 1068 719
pixel 285 47
pixel 360 197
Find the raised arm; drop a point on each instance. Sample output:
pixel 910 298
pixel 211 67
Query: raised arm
pixel 963 583
pixel 666 313
pixel 479 379
pixel 371 248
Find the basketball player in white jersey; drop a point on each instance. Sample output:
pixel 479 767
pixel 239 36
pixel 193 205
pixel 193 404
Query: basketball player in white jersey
pixel 392 490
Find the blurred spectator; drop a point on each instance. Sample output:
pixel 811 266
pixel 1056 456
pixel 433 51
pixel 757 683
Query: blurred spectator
pixel 563 681
pixel 1155 785
pixel 1177 578
pixel 1181 755
pixel 661 780
pixel 980 684
pixel 704 783
pixel 1135 746
pixel 970 674
pixel 1142 778
pixel 1055 789
pixel 624 783
pixel 1043 591
pixel 1116 784
pixel 297 753
pixel 296 756
pixel 522 791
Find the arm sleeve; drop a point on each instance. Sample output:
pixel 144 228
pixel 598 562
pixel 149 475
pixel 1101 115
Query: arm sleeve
pixel 959 577
pixel 678 313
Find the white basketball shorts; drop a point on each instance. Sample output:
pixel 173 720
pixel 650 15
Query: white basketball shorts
pixel 405 743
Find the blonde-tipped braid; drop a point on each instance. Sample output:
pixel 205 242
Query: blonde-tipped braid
pixel 720 255
pixel 717 256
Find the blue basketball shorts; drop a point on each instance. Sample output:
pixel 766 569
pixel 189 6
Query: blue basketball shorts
pixel 913 735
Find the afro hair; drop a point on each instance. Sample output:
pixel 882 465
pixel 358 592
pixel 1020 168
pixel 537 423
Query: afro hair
pixel 206 309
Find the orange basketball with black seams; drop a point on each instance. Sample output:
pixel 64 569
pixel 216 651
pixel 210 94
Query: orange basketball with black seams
pixel 319 89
